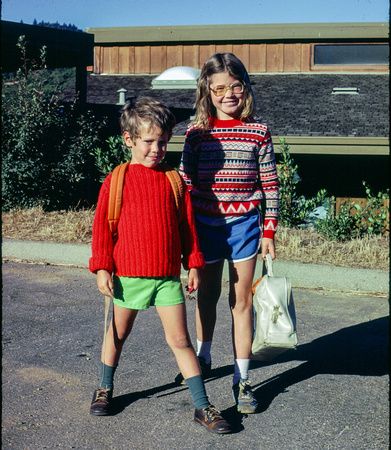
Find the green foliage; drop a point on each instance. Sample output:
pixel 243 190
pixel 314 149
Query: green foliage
pixel 111 155
pixel 354 220
pixel 44 147
pixel 52 80
pixel 293 209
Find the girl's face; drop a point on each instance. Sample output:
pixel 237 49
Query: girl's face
pixel 230 105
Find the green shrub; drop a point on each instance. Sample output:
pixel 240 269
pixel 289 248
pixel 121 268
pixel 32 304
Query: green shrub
pixel 293 209
pixel 113 153
pixel 354 220
pixel 44 146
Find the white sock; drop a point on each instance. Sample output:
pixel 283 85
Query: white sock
pixel 241 370
pixel 203 349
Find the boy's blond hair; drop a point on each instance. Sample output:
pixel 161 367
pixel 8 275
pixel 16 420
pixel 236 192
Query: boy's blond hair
pixel 218 63
pixel 148 110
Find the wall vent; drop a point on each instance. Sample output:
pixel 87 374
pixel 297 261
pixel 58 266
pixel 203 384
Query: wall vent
pixel 180 77
pixel 346 91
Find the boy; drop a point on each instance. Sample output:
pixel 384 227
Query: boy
pixel 146 257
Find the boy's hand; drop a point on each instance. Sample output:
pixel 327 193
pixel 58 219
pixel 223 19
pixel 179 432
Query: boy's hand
pixel 268 247
pixel 105 283
pixel 193 281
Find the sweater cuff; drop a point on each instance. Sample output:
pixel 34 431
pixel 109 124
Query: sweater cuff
pixel 101 263
pixel 195 260
pixel 269 234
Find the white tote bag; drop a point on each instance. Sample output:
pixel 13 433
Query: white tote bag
pixel 274 316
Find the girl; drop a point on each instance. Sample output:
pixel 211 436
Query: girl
pixel 229 167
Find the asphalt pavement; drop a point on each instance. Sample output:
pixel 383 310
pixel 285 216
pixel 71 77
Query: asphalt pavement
pixel 329 393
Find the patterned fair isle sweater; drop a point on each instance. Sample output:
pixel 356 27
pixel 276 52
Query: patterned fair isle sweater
pixel 150 241
pixel 230 168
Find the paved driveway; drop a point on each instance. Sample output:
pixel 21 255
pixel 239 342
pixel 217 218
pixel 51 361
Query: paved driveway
pixel 331 393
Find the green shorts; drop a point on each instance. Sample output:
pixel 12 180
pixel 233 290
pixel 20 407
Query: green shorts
pixel 143 292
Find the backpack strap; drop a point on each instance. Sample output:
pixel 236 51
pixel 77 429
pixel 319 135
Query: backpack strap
pixel 177 187
pixel 116 189
pixel 115 198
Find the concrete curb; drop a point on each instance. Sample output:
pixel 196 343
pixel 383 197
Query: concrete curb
pixel 301 275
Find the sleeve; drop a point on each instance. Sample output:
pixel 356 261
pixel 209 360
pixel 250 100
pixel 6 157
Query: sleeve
pixel 188 168
pixel 192 256
pixel 102 242
pixel 269 184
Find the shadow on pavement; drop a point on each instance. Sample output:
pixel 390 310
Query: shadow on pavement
pixel 358 350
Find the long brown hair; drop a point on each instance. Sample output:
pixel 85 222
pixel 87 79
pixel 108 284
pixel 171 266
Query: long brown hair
pixel 218 63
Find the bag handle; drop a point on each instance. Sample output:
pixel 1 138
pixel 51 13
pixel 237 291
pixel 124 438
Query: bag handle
pixel 269 265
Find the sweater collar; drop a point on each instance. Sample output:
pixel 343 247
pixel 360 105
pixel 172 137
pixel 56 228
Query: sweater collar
pixel 217 123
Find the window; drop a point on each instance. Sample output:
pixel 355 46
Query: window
pixel 351 54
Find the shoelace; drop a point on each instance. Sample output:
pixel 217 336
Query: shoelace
pixel 102 395
pixel 246 392
pixel 212 412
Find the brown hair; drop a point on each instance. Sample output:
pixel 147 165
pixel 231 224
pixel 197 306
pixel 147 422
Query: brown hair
pixel 218 63
pixel 149 110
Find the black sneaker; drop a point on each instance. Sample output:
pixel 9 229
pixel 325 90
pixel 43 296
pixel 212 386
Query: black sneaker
pixel 205 371
pixel 100 405
pixel 212 420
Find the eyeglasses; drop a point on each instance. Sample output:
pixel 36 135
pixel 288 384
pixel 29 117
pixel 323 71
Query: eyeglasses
pixel 235 88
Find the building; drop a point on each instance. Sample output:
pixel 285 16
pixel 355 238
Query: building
pixel 323 87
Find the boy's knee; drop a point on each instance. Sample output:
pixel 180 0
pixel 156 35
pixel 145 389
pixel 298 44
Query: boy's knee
pixel 120 336
pixel 179 342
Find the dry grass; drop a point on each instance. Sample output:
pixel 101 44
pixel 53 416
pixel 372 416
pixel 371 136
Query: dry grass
pixel 292 245
pixel 60 226
pixel 310 247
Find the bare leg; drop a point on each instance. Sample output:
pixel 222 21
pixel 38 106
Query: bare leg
pixel 208 296
pixel 177 336
pixel 240 300
pixel 120 327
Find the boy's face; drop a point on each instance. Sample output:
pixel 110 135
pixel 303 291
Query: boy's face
pixel 149 149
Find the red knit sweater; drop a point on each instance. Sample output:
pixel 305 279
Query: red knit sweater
pixel 150 241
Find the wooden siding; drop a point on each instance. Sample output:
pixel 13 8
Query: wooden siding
pixel 258 58
pixel 150 59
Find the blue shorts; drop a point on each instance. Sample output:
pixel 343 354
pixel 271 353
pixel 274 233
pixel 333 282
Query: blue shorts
pixel 235 241
pixel 143 292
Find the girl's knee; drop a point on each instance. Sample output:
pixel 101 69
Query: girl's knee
pixel 240 305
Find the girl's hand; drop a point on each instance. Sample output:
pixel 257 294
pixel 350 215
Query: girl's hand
pixel 105 283
pixel 193 280
pixel 268 247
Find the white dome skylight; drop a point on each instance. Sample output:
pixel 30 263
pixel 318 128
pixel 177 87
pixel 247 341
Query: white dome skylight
pixel 180 77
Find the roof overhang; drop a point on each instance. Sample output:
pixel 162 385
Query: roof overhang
pixel 314 32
